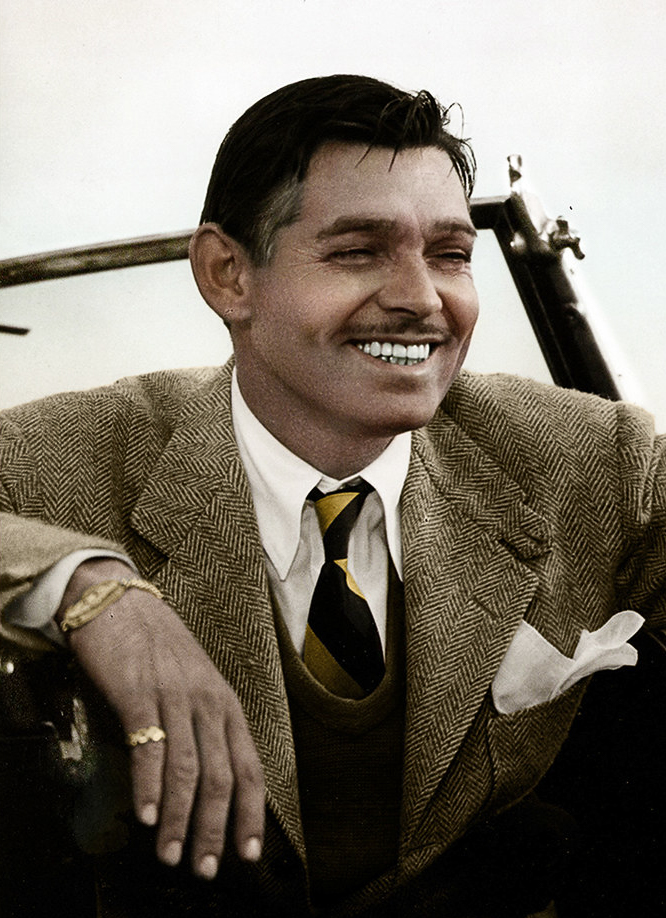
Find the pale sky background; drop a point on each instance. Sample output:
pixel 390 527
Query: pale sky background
pixel 111 114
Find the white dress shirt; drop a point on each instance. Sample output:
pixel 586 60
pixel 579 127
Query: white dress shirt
pixel 280 482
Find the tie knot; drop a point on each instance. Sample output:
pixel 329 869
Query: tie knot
pixel 337 512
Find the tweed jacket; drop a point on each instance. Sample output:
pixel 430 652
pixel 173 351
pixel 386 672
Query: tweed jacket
pixel 522 502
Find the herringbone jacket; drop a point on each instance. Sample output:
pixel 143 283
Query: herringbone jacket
pixel 522 502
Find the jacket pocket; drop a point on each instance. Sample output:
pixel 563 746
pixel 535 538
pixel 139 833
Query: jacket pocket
pixel 524 744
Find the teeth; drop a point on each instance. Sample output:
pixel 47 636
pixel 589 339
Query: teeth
pixel 397 354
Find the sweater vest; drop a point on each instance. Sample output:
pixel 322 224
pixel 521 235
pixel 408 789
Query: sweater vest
pixel 349 755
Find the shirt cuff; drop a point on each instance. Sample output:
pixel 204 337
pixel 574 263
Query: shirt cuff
pixel 36 609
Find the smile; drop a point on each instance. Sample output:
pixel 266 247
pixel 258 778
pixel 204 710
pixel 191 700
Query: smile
pixel 401 354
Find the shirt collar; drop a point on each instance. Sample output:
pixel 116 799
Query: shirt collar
pixel 280 482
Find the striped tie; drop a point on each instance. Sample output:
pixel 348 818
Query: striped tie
pixel 342 645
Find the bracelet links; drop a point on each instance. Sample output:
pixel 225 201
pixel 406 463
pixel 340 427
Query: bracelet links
pixel 99 597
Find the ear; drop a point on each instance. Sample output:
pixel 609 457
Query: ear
pixel 221 268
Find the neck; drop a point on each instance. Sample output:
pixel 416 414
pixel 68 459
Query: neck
pixel 335 453
pixel 344 462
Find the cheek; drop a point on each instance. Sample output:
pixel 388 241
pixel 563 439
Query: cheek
pixel 473 315
pixel 466 311
pixel 336 293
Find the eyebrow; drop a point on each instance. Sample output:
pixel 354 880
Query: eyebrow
pixel 360 224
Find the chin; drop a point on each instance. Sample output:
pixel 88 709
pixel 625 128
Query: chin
pixel 403 419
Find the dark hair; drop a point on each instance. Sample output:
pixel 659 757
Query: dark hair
pixel 255 185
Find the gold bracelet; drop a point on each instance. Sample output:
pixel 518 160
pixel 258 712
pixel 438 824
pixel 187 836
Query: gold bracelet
pixel 99 597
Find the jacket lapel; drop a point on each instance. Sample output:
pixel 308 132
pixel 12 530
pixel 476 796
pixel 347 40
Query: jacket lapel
pixel 467 533
pixel 197 510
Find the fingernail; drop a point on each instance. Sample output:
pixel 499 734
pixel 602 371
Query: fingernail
pixel 252 849
pixel 148 815
pixel 172 853
pixel 207 867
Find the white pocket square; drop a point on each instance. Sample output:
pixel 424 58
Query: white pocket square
pixel 533 671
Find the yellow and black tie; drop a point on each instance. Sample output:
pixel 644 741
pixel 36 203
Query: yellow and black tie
pixel 343 649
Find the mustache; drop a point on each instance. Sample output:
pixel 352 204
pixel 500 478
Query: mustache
pixel 404 325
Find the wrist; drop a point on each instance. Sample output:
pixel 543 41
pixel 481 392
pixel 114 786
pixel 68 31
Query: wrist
pixel 88 574
pixel 99 597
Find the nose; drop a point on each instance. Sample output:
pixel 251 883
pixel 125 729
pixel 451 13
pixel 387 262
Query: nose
pixel 410 288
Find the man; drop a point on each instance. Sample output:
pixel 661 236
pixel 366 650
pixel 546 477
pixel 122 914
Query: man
pixel 336 245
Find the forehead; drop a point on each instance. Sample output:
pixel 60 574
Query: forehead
pixel 417 186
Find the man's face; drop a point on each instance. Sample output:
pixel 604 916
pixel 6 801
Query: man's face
pixel 360 322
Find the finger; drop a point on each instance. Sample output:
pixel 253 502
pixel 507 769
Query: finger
pixel 214 799
pixel 147 767
pixel 249 793
pixel 180 779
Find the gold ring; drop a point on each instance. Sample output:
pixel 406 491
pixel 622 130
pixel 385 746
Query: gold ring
pixel 145 735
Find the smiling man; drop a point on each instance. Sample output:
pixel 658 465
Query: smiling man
pixel 329 589
pixel 356 327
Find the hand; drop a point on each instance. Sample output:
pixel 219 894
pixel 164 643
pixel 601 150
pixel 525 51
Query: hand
pixel 151 670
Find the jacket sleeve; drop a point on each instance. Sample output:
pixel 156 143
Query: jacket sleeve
pixel 30 547
pixel 641 575
pixel 30 542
